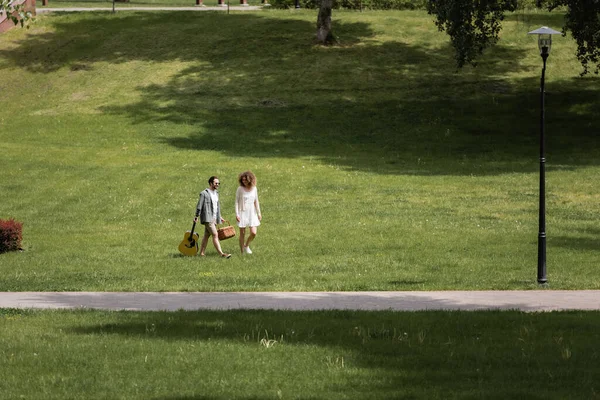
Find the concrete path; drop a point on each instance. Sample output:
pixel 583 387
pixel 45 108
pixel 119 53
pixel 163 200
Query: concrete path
pixel 40 10
pixel 528 300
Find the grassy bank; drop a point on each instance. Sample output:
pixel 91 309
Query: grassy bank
pixel 380 166
pixel 298 355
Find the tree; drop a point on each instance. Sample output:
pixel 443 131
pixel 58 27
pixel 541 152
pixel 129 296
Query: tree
pixel 474 25
pixel 324 34
pixel 16 13
pixel 583 20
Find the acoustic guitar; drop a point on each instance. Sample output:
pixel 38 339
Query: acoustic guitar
pixel 189 244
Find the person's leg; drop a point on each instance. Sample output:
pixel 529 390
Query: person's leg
pixel 217 245
pixel 204 239
pixel 212 228
pixel 242 234
pixel 251 236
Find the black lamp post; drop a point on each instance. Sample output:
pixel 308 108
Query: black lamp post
pixel 297 4
pixel 544 43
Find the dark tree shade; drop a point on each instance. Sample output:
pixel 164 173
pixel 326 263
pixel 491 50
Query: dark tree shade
pixel 473 25
pixel 583 21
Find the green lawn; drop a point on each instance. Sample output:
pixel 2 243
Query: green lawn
pixel 380 167
pixel 299 355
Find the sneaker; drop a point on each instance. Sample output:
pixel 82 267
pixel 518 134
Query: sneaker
pixel 247 250
pixel 225 255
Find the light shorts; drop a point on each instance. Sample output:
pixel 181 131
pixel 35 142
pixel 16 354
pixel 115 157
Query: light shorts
pixel 210 228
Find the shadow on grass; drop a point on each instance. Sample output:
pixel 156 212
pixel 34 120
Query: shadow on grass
pixel 459 134
pixel 212 397
pixel 576 243
pixel 221 40
pixel 258 86
pixel 407 351
pixel 406 282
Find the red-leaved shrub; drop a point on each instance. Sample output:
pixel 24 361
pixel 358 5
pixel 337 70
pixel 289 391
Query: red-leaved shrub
pixel 11 234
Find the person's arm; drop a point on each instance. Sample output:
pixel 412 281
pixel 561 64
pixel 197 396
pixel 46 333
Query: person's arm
pixel 237 204
pixel 257 204
pixel 219 215
pixel 199 205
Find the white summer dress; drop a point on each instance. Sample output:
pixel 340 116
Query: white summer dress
pixel 247 207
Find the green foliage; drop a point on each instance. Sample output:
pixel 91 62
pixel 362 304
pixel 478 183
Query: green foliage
pixel 472 25
pixel 357 4
pixel 528 4
pixel 380 4
pixel 385 4
pixel 582 19
pixel 16 13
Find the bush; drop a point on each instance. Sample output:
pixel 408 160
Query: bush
pixel 11 234
pixel 382 4
pixel 357 4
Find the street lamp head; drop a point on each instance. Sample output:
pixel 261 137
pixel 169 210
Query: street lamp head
pixel 544 39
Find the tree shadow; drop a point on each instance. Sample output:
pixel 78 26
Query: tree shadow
pixel 405 110
pixel 576 243
pixel 460 133
pixel 209 37
pixel 387 342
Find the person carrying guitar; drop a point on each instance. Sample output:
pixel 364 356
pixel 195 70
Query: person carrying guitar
pixel 209 210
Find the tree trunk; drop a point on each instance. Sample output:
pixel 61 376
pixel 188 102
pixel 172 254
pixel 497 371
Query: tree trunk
pixel 324 35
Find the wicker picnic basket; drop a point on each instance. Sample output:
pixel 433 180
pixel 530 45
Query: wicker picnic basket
pixel 226 232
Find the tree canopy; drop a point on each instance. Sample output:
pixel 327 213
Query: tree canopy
pixel 583 21
pixel 473 25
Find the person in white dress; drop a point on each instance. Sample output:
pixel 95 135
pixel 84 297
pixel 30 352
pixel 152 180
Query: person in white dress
pixel 247 209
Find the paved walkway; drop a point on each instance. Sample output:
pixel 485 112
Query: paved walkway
pixel 527 300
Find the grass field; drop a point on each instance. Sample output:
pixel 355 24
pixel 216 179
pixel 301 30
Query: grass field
pixel 380 167
pixel 299 355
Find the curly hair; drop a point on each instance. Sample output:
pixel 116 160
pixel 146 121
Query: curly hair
pixel 250 178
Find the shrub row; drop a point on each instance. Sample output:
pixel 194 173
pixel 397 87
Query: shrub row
pixel 356 4
pixel 11 234
pixel 376 4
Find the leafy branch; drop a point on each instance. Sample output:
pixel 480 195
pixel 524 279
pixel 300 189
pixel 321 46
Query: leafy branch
pixel 474 25
pixel 16 13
